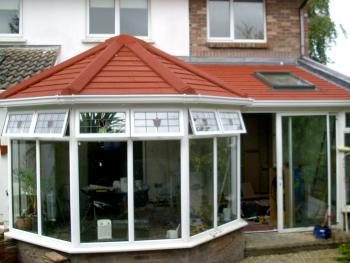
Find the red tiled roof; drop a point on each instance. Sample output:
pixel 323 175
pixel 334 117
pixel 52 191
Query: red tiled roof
pixel 121 65
pixel 242 79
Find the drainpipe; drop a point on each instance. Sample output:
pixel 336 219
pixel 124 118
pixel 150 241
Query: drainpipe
pixel 302 25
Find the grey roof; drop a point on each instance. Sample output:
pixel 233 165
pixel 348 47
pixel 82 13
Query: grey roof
pixel 20 63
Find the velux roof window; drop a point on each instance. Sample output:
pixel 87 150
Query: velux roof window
pixel 284 81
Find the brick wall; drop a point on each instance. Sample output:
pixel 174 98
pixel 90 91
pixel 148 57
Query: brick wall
pixel 283 33
pixel 226 249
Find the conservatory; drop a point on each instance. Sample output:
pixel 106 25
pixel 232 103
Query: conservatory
pixel 108 172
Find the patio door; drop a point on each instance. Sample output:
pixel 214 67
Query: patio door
pixel 304 174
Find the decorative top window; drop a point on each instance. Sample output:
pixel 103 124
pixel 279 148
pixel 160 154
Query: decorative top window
pixel 19 123
pixel 102 122
pixel 51 123
pixel 231 121
pixel 111 17
pixel 204 122
pixel 9 17
pixel 156 122
pixel 284 80
pixel 237 20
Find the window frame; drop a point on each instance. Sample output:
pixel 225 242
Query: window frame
pixel 204 133
pixel 232 38
pixel 18 135
pixel 163 135
pixel 233 132
pixel 20 24
pixel 50 135
pixel 101 136
pixel 116 22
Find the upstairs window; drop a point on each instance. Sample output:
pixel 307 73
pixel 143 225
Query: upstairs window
pixel 284 81
pixel 236 20
pixel 9 16
pixel 111 17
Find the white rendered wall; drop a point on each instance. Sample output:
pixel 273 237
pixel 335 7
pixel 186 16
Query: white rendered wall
pixel 4 201
pixel 63 22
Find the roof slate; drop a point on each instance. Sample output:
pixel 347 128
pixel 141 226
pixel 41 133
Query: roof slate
pixel 20 63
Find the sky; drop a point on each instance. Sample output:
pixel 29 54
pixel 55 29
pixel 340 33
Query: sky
pixel 339 53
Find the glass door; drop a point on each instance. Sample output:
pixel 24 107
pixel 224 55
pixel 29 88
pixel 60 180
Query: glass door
pixel 305 175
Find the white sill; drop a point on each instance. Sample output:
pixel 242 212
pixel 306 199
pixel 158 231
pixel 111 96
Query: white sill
pixel 15 39
pixel 242 41
pixel 92 40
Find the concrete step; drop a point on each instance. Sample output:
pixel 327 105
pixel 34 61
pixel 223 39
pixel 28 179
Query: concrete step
pixel 258 244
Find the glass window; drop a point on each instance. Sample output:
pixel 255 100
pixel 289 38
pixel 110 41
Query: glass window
pixel 347 169
pixel 227 179
pixel 219 18
pixel 249 19
pixel 157 122
pixel 102 122
pixel 19 123
pixel 157 195
pixel 24 197
pixel 204 121
pixel 9 16
pixel 201 185
pixel 231 121
pixel 347 125
pixel 54 182
pixel 134 17
pixel 103 191
pixel 284 80
pixel 102 17
pixel 50 123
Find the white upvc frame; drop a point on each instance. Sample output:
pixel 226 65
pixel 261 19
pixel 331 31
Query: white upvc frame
pixel 50 135
pixel 173 135
pixel 193 124
pixel 232 39
pixel 19 135
pixel 279 165
pixel 243 130
pixel 116 22
pixel 99 136
pixel 15 36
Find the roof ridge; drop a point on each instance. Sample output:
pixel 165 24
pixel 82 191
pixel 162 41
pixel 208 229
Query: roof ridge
pixel 193 70
pixel 91 70
pixel 168 76
pixel 23 85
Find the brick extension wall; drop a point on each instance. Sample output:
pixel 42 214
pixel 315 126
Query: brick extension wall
pixel 283 33
pixel 226 249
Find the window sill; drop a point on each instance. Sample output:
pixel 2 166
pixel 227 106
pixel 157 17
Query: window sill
pixel 92 40
pixel 242 45
pixel 16 39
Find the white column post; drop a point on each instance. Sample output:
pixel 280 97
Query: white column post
pixel 279 160
pixel 131 223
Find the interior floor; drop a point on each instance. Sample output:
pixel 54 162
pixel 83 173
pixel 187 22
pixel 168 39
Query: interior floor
pixel 259 204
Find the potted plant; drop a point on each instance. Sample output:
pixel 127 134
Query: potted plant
pixel 27 185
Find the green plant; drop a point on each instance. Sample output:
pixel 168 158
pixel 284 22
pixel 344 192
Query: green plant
pixel 344 250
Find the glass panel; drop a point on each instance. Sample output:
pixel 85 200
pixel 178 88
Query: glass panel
pixel 103 191
pixel 305 170
pixel 50 123
pixel 219 18
pixel 134 17
pixel 9 16
pixel 347 170
pixel 19 123
pixel 102 17
pixel 231 121
pixel 284 80
pixel 205 121
pixel 347 120
pixel 102 122
pixel 157 122
pixel 227 179
pixel 249 19
pixel 54 182
pixel 157 195
pixel 333 145
pixel 201 185
pixel 24 198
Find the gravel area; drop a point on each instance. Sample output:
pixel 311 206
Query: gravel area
pixel 311 256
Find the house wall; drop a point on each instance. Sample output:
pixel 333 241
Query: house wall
pixel 53 23
pixel 283 33
pixel 4 204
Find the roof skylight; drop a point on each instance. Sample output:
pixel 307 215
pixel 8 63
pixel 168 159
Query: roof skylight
pixel 284 81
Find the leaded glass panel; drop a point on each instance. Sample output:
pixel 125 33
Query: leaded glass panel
pixel 19 123
pixel 50 123
pixel 102 122
pixel 157 122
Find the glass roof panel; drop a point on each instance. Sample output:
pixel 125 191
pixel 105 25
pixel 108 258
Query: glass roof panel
pixel 284 80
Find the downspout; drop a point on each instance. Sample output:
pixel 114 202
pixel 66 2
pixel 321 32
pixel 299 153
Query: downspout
pixel 302 27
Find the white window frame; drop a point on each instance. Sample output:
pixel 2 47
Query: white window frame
pixel 233 132
pixel 120 136
pixel 232 27
pixel 193 124
pixel 19 135
pixel 20 25
pixel 50 135
pixel 136 135
pixel 117 22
